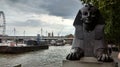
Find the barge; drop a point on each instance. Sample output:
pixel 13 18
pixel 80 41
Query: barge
pixel 20 46
pixel 21 49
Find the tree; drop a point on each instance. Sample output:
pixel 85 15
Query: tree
pixel 110 11
pixel 69 36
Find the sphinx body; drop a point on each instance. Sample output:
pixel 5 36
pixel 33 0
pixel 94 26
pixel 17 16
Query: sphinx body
pixel 89 35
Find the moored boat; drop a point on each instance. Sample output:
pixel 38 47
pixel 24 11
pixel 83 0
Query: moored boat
pixel 19 47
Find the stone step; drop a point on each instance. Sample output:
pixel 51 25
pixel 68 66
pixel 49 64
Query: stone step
pixel 87 62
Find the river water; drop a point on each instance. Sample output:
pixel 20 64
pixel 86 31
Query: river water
pixel 51 57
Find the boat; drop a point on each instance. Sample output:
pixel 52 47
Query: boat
pixel 21 49
pixel 60 42
pixel 18 47
pixel 31 45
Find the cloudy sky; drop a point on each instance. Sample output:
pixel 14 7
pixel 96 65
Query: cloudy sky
pixel 30 16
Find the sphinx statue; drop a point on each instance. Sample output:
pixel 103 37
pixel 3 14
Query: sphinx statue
pixel 89 38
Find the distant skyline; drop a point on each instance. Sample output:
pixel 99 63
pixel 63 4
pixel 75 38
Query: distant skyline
pixel 27 17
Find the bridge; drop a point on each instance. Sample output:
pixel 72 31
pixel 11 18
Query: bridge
pixel 67 39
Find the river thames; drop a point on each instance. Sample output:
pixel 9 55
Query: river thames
pixel 51 57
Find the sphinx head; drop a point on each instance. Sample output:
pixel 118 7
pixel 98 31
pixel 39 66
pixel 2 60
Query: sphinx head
pixel 89 16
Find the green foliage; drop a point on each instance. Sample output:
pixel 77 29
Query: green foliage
pixel 110 10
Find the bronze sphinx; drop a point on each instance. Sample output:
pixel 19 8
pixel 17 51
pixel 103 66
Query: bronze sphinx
pixel 89 38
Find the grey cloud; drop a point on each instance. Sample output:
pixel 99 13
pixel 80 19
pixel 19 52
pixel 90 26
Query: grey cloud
pixel 17 8
pixel 25 6
pixel 30 23
pixel 35 23
pixel 64 8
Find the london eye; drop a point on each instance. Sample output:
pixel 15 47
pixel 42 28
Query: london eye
pixel 2 23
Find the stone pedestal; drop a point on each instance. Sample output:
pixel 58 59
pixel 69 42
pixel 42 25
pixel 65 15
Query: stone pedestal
pixel 87 62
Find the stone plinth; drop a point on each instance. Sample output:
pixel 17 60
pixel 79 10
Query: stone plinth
pixel 87 62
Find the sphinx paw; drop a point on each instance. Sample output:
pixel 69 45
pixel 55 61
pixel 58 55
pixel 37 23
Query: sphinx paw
pixel 76 54
pixel 105 58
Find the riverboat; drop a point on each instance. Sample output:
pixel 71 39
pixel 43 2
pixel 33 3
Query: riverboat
pixel 20 47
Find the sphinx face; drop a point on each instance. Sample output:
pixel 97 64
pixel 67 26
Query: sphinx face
pixel 89 14
pixel 89 17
